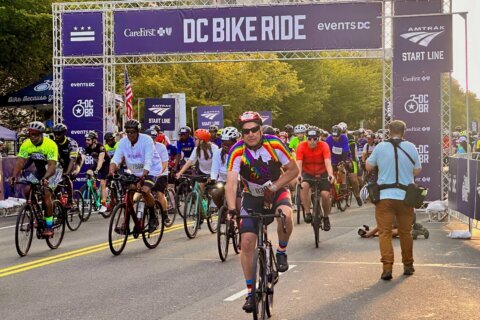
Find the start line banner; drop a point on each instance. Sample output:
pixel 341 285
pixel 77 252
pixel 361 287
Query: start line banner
pixel 254 28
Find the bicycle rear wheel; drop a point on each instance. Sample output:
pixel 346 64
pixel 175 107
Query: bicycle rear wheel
pixel 24 230
pixel 111 203
pixel 75 215
pixel 171 207
pixel 298 201
pixel 316 222
pixel 191 214
pixel 181 195
pixel 58 226
pixel 342 201
pixel 259 285
pixel 223 238
pixel 88 202
pixel 152 239
pixel 272 279
pixel 118 229
pixel 235 235
pixel 212 219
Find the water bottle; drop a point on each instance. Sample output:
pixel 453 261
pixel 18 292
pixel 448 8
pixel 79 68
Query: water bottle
pixel 64 199
pixel 140 209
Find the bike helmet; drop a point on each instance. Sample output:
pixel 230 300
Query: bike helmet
pixel 36 126
pixel 283 134
pixel 343 126
pixel 155 127
pixel 230 133
pixel 458 128
pixel 313 131
pixel 250 116
pixel 364 194
pixel 160 137
pixel 91 135
pixel 288 127
pixel 213 128
pixel 268 129
pixel 108 136
pixel 300 128
pixel 185 129
pixel 277 131
pixel 336 131
pixel 203 134
pixel 59 128
pixel 151 132
pixel 132 124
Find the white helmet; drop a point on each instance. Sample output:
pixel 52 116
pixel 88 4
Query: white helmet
pixel 230 133
pixel 300 128
pixel 343 126
pixel 364 194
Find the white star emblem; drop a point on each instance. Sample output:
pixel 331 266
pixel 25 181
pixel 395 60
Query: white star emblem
pixel 78 110
pixel 411 106
pixel 89 28
pixel 82 28
pixel 75 28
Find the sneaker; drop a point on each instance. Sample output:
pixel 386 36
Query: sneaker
pixel 166 219
pixel 408 269
pixel 386 275
pixel 152 224
pixel 359 201
pixel 326 223
pixel 47 233
pixel 249 304
pixel 282 262
pixel 308 218
pixel 102 209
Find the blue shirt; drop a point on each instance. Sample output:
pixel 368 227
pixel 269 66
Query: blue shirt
pixel 338 147
pixel 186 147
pixel 384 158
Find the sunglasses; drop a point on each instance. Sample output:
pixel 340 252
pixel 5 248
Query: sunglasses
pixel 251 130
pixel 131 131
pixel 312 138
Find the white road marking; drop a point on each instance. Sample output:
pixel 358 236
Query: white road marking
pixel 7 227
pixel 244 291
pixel 432 265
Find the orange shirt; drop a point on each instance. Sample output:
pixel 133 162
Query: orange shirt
pixel 313 159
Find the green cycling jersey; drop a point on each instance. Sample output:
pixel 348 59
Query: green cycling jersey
pixel 295 142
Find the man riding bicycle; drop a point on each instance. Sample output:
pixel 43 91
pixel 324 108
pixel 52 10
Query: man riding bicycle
pixel 265 166
pixel 43 152
pixel 313 160
pixel 143 161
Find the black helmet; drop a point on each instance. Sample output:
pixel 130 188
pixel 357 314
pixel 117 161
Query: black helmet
pixel 185 129
pixel 132 124
pixel 108 136
pixel 313 131
pixel 288 127
pixel 91 135
pixel 151 132
pixel 59 128
pixel 336 131
pixel 268 129
pixel 213 127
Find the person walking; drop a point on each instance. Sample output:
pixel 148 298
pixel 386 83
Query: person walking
pixel 393 177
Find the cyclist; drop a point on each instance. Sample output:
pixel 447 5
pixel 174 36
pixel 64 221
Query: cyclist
pixel 44 154
pixel 69 157
pixel 259 159
pixel 110 143
pixel 215 136
pixel 266 129
pixel 313 160
pixel 185 144
pixel 143 161
pixel 284 137
pixel 172 156
pixel 162 180
pixel 101 162
pixel 299 131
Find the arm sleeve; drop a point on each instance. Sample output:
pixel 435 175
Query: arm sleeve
pixel 73 150
pixel 193 156
pixel 23 152
pixel 118 155
pixel 372 160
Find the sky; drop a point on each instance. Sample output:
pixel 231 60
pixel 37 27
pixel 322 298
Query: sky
pixel 473 20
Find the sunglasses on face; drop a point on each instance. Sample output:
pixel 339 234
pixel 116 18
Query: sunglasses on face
pixel 312 138
pixel 251 130
pixel 131 131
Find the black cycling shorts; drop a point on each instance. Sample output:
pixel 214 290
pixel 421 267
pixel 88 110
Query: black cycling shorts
pixel 161 184
pixel 324 184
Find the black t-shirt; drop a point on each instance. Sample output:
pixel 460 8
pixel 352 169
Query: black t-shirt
pixel 95 152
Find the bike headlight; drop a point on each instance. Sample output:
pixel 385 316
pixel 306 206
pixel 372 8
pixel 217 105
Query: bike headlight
pixel 219 185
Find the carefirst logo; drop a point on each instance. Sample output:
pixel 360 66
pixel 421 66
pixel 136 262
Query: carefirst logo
pixel 423 35
pixel 144 32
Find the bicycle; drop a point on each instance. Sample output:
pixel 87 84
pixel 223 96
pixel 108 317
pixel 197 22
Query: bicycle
pixel 265 265
pixel 318 214
pixel 338 193
pixel 73 212
pixel 171 206
pixel 227 229
pixel 90 196
pixel 298 203
pixel 183 189
pixel 119 227
pixel 31 217
pixel 197 207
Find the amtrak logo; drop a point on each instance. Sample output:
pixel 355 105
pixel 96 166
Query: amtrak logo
pixel 159 110
pixel 423 35
pixel 264 118
pixel 210 116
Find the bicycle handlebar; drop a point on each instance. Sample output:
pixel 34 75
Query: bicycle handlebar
pixel 261 216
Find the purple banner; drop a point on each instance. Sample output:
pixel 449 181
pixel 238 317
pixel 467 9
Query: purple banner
pixel 83 105
pixel 476 191
pixel 209 115
pixel 452 188
pixel 423 43
pixel 267 118
pixel 259 28
pixel 466 187
pixel 160 112
pixel 82 34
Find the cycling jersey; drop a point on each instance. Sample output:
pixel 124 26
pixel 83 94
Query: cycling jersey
pixel 140 156
pixel 219 167
pixel 163 153
pixel 295 141
pixel 313 160
pixel 258 168
pixel 68 151
pixel 111 150
pixel 339 149
pixel 95 153
pixel 204 165
pixel 186 147
pixel 40 155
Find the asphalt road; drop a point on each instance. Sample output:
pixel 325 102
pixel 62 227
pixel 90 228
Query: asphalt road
pixel 184 279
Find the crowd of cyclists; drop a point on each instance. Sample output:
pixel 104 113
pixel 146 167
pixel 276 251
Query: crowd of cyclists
pixel 259 165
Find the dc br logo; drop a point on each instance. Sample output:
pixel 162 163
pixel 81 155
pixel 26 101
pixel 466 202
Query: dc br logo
pixel 83 108
pixel 417 103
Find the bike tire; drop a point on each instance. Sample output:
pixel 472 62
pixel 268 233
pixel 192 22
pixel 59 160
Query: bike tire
pixel 118 229
pixel 88 201
pixel 171 207
pixel 59 223
pixel 342 202
pixel 181 196
pixel 316 223
pixel 191 215
pixel 298 202
pixel 223 238
pixel 236 237
pixel 24 230
pixel 272 279
pixel 111 203
pixel 259 285
pixel 74 217
pixel 349 197
pixel 152 239
pixel 212 217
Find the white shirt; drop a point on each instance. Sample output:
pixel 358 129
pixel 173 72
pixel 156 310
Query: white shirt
pixel 163 153
pixel 204 165
pixel 141 156
pixel 219 169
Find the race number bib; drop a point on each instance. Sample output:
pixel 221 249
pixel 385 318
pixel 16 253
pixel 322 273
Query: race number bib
pixel 136 168
pixel 337 150
pixel 257 190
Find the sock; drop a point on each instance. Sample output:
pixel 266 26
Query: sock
pixel 103 202
pixel 249 283
pixel 282 247
pixel 49 222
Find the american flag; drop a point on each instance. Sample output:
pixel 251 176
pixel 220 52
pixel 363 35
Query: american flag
pixel 128 96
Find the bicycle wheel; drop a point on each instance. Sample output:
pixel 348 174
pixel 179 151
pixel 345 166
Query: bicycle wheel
pixel 118 229
pixel 316 222
pixel 223 239
pixel 88 202
pixel 191 220
pixel 342 201
pixel 24 230
pixel 298 201
pixel 272 279
pixel 235 235
pixel 212 218
pixel 58 226
pixel 259 285
pixel 171 207
pixel 152 239
pixel 180 196
pixel 75 215
pixel 111 203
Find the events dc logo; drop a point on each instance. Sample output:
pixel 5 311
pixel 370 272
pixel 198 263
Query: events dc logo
pixel 417 104
pixel 83 108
